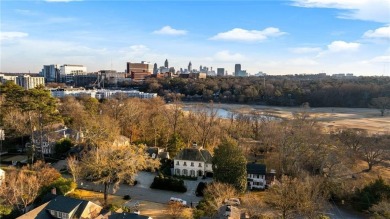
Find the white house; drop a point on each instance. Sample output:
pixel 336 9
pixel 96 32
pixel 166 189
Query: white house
pixel 256 175
pixel 2 176
pixel 49 138
pixel 193 162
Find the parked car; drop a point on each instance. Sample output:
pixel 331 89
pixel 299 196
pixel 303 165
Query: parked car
pixel 232 201
pixel 181 201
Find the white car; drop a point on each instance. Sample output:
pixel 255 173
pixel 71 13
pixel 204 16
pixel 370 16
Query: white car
pixel 181 201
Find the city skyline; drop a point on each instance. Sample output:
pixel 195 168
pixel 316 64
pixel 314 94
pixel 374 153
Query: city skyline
pixel 276 37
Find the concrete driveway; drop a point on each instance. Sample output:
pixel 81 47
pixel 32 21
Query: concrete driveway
pixel 142 190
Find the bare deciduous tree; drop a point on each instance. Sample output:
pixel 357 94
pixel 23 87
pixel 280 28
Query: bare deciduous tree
pixel 107 165
pixel 216 193
pixel 74 167
pixel 381 103
pixel 374 150
pixel 293 197
pixel 20 188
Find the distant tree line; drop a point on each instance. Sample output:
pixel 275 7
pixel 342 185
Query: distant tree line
pixel 273 90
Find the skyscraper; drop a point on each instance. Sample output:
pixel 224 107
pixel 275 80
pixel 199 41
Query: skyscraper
pixel 51 73
pixel 237 69
pixel 189 67
pixel 166 63
pixel 220 71
pixel 155 69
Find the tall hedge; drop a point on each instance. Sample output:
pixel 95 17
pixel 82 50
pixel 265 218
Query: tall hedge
pixel 168 183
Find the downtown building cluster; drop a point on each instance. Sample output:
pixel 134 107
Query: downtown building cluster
pixel 77 75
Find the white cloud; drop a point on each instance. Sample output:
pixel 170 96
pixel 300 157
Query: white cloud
pixel 26 12
pixel 139 48
pixel 303 50
pixel 238 34
pixel 12 35
pixel 379 59
pixel 342 46
pixel 168 30
pixel 382 33
pixel 370 10
pixel 60 20
pixel 226 56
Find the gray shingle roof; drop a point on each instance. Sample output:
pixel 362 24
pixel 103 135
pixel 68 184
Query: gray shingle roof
pixel 127 216
pixel 194 154
pixel 64 204
pixel 256 168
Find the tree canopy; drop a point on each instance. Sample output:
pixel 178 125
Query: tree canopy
pixel 229 165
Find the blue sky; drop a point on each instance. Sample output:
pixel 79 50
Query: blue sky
pixel 276 37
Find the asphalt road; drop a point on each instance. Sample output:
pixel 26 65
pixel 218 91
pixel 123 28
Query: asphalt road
pixel 142 190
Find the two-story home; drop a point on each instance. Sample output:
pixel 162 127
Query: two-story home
pixel 62 207
pixel 49 139
pixel 258 178
pixel 194 162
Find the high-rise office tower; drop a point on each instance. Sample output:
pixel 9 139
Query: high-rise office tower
pixel 220 71
pixel 166 63
pixel 155 69
pixel 237 69
pixel 189 67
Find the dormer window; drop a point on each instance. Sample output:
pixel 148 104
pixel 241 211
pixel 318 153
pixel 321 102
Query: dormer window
pixel 192 164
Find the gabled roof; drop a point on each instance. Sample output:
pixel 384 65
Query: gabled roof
pixel 64 204
pixel 256 168
pixel 207 156
pixel 152 150
pixel 127 216
pixel 194 154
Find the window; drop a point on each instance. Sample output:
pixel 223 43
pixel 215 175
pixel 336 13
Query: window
pixel 192 172
pixel 192 164
pixel 52 212
pixel 177 172
pixel 200 164
pixel 185 164
pixel 185 172
pixel 64 215
pixel 177 163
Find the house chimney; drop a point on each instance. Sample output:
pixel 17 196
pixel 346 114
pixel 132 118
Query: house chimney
pixel 54 191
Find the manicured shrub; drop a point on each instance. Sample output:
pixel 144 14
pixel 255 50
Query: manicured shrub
pixel 199 189
pixel 168 183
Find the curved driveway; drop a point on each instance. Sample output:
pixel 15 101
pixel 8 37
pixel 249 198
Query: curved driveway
pixel 142 190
